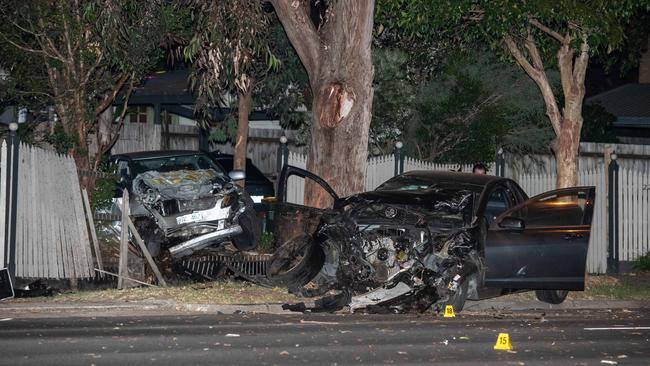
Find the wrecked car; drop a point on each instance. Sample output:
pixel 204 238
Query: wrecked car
pixel 428 238
pixel 183 201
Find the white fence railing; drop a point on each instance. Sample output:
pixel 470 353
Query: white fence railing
pixel 51 236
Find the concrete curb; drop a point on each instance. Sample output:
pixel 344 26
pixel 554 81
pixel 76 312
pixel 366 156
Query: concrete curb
pixel 46 307
pixel 169 305
pixel 233 309
pixel 567 305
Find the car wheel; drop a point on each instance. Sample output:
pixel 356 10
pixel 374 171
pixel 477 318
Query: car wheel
pixel 551 296
pixel 251 227
pixel 457 300
pixel 295 262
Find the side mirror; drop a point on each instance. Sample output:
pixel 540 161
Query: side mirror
pixel 237 175
pixel 512 223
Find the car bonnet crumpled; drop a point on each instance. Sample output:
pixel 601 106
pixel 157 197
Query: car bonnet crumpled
pixel 180 184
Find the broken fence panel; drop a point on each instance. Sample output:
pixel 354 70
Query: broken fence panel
pixel 52 238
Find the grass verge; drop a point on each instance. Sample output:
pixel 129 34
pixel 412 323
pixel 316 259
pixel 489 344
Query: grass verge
pixel 217 292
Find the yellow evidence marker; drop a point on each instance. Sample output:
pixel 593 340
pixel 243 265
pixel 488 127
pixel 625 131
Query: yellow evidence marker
pixel 503 342
pixel 449 312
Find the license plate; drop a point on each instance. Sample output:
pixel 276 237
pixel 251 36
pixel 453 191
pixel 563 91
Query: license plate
pixel 193 217
pixel 221 224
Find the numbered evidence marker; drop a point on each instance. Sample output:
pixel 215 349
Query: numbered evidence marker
pixel 449 312
pixel 503 342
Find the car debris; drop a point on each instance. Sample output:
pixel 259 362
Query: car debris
pixel 185 202
pixel 427 239
pixel 373 257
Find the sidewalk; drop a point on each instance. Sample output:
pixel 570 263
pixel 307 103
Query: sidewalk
pixel 159 307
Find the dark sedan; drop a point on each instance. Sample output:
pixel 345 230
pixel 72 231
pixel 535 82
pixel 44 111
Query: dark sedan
pixel 257 185
pixel 428 238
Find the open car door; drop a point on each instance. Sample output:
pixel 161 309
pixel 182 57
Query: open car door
pixel 542 242
pixel 292 217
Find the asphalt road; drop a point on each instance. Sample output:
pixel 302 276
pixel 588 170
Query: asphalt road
pixel 563 338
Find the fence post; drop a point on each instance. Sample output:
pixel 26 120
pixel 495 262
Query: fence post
pixel 12 200
pixel 612 200
pixel 500 163
pixel 283 154
pixel 399 159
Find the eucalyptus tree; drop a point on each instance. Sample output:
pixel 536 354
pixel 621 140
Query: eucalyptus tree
pixel 538 36
pixel 84 54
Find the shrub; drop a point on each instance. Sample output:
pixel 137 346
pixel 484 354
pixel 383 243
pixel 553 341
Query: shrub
pixel 643 263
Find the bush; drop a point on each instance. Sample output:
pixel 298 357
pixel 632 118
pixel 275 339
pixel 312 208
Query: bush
pixel 643 263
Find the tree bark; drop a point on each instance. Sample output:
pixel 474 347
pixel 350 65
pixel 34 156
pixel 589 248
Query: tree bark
pixel 336 54
pixel 244 108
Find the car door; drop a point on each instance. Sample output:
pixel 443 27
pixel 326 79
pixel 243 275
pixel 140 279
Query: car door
pixel 541 243
pixel 292 216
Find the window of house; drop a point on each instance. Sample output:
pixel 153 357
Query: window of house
pixel 138 114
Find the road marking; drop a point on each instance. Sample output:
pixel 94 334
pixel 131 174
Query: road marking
pixel 620 328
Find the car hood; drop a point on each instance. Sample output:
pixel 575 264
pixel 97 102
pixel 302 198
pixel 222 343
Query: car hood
pixel 433 199
pixel 179 184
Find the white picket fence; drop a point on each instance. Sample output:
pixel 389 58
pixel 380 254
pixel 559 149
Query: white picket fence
pixel 415 164
pixel 51 232
pixel 633 213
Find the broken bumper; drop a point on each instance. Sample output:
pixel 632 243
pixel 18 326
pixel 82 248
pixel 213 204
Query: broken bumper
pixel 188 247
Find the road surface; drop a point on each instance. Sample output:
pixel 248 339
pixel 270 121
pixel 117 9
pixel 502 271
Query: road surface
pixel 564 338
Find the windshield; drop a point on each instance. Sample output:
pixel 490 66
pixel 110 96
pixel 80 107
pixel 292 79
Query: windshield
pixel 174 163
pixel 411 183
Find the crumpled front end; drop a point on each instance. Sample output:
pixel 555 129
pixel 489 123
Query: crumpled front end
pixel 185 204
pixel 398 257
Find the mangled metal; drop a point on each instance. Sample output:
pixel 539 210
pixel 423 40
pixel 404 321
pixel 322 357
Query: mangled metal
pixel 199 204
pixel 391 255
pixel 184 202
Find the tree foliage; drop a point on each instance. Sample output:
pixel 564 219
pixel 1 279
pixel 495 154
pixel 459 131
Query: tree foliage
pixel 78 56
pixel 473 107
pixel 228 50
pixel 534 35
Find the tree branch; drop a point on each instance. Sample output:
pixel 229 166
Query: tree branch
pixel 108 99
pixel 116 132
pixel 547 30
pixel 301 32
pixel 539 77
pixel 519 57
pixel 534 52
pixel 580 66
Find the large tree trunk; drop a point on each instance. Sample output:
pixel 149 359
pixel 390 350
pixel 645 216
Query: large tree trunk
pixel 244 109
pixel 336 55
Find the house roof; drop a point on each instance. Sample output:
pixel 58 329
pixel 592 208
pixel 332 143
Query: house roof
pixel 629 100
pixel 174 82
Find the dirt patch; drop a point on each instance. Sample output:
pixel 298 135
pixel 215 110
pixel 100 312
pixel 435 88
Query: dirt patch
pixel 218 292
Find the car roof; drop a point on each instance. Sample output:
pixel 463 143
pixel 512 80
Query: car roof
pixel 450 176
pixel 222 156
pixel 156 154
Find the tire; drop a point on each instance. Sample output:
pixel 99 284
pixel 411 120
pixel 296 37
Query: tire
pixel 551 296
pixel 295 262
pixel 457 300
pixel 251 227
